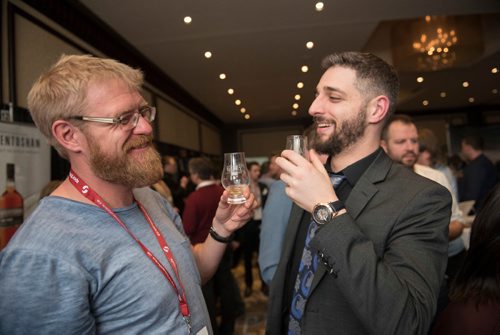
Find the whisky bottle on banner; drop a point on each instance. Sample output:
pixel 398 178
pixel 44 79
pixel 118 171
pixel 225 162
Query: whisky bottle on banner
pixel 11 208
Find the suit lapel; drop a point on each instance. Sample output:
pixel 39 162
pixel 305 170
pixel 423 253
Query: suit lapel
pixel 291 232
pixel 360 195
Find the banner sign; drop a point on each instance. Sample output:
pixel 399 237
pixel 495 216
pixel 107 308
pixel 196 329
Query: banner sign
pixel 24 146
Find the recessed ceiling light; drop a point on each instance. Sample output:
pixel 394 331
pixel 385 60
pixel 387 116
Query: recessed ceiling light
pixel 294 113
pixel 237 102
pixel 230 91
pixel 208 54
pixel 243 110
pixel 247 116
pixel 465 84
pixel 471 99
pixel 319 6
pixel 494 91
pixel 425 102
pixel 442 94
pixel 420 79
pixel 304 68
pixel 222 76
pixel 295 106
pixel 297 97
pixel 300 84
pixel 310 45
pixel 187 20
pixel 494 70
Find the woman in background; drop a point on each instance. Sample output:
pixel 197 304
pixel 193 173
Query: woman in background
pixel 475 294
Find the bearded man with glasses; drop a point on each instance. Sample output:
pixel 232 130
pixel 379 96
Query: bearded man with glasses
pixel 104 253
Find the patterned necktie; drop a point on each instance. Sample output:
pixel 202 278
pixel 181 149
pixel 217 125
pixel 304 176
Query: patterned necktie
pixel 307 268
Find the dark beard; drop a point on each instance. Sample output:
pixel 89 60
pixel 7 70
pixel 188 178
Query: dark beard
pixel 344 136
pixel 121 169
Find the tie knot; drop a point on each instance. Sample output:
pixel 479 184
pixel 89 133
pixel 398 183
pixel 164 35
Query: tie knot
pixel 337 179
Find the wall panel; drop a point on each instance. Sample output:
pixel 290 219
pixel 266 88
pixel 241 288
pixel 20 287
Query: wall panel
pixel 176 127
pixel 36 50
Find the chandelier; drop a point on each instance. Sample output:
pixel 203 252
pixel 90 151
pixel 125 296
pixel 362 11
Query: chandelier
pixel 436 42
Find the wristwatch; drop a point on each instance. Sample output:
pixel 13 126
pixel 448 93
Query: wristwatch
pixel 325 212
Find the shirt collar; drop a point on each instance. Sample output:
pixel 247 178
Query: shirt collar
pixel 354 171
pixel 205 183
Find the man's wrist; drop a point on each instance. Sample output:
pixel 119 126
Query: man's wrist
pixel 222 239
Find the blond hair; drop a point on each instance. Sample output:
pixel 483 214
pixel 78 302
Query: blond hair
pixel 61 92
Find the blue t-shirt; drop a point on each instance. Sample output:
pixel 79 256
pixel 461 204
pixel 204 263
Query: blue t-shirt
pixel 71 269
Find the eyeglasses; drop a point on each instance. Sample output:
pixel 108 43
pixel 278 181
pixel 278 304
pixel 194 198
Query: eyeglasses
pixel 127 120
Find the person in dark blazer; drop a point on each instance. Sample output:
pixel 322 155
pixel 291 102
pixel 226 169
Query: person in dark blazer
pixel 373 255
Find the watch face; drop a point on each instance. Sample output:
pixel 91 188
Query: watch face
pixel 323 213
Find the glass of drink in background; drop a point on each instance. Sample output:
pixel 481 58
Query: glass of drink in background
pixel 235 176
pixel 297 143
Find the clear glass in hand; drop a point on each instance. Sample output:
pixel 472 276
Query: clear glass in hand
pixel 297 143
pixel 235 176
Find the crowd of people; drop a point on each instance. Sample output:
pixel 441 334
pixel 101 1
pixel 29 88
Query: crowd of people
pixel 362 236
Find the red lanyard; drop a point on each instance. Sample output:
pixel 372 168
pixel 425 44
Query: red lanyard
pixel 87 192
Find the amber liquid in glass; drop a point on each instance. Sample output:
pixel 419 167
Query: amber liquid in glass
pixel 11 208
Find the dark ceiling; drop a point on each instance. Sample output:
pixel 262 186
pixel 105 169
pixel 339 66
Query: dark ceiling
pixel 261 46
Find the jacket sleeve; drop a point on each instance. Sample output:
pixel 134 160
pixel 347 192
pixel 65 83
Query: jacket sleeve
pixel 394 291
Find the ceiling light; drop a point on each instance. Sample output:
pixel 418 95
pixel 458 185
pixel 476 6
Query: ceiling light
pixel 247 116
pixel 442 94
pixel 319 6
pixel 187 20
pixel 425 102
pixel 494 70
pixel 494 91
pixel 295 106
pixel 222 76
pixel 309 45
pixel 304 68
pixel 230 91
pixel 297 96
pixel 208 54
pixel 471 99
pixel 300 84
pixel 465 84
pixel 420 79
pixel 294 113
pixel 243 110
pixel 237 102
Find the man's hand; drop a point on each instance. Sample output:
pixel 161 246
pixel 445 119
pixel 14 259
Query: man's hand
pixel 230 218
pixel 308 183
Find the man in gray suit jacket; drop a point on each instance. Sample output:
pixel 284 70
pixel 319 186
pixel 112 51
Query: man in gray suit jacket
pixel 372 257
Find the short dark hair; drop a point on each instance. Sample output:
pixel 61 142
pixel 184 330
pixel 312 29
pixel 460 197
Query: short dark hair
pixel 479 276
pixel 403 118
pixel 202 166
pixel 475 141
pixel 427 141
pixel 374 76
pixel 252 163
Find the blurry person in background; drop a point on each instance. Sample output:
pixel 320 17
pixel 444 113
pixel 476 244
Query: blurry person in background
pixel 479 174
pixel 105 254
pixel 178 185
pixel 200 207
pixel 273 171
pixel 401 142
pixel 248 236
pixel 474 307
pixel 430 155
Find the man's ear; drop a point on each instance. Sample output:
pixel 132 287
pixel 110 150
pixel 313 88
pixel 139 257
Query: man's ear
pixel 383 144
pixel 378 108
pixel 68 135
